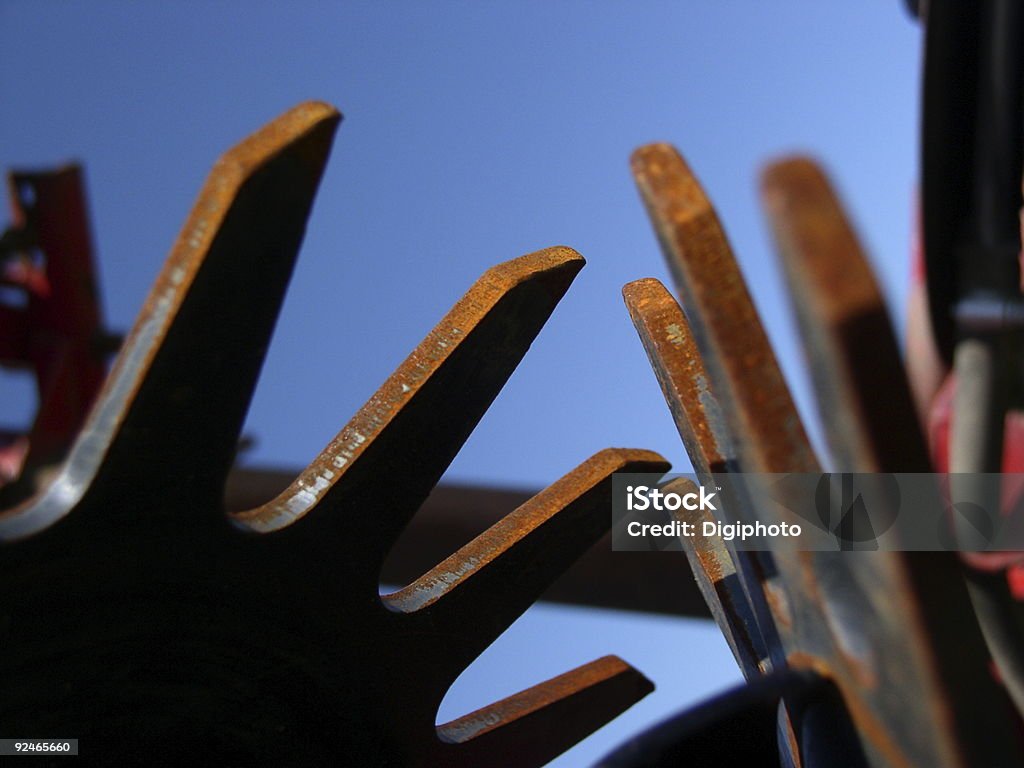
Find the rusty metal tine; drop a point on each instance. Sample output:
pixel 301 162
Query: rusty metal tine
pixel 666 336
pixel 214 306
pixel 532 727
pixel 686 384
pixel 412 427
pixel 722 575
pixel 717 578
pixel 863 396
pixel 518 557
pixel 762 423
pixel 767 428
pixel 186 372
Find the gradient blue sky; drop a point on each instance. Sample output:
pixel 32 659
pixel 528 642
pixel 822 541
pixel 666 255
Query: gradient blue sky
pixel 473 133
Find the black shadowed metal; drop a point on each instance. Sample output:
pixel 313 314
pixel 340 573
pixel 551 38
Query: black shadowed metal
pixel 139 616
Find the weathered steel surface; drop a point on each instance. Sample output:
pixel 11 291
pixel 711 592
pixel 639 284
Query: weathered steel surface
pixel 895 633
pixel 668 341
pixel 140 616
pixel 725 324
pixel 853 353
pixel 862 392
pixel 863 395
pixel 677 365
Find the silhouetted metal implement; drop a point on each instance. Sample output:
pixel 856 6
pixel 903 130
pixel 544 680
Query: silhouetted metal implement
pixel 141 617
pixel 146 615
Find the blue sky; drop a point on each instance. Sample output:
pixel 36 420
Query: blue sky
pixel 473 133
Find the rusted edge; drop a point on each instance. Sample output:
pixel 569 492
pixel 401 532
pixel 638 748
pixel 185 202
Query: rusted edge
pixel 312 120
pixel 545 720
pixel 468 567
pixel 863 396
pixel 717 578
pixel 665 334
pixel 744 373
pixel 318 482
pixel 865 401
pixel 725 578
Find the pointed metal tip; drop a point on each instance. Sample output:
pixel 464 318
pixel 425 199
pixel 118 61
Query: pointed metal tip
pixel 250 215
pixel 650 156
pixel 626 460
pixel 789 163
pixel 643 291
pixel 781 177
pixel 569 501
pixel 608 667
pixel 671 191
pixel 496 321
pixel 580 701
pixel 316 108
pixel 558 261
pixel 313 123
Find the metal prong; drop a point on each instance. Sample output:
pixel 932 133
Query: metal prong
pixel 863 396
pixel 768 433
pixel 717 578
pixel 519 557
pixel 534 726
pixel 665 333
pixel 187 370
pixel 371 479
pixel 729 580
